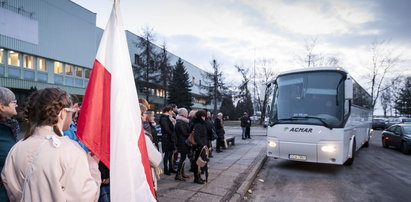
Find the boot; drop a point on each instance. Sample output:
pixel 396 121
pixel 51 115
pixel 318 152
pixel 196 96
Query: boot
pixel 198 180
pixel 183 174
pixel 179 177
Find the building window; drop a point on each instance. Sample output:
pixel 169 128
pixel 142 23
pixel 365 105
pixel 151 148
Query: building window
pixel 194 80
pixel 201 101
pixel 79 71
pixel 58 67
pixel 14 58
pixel 1 55
pixel 28 61
pixel 160 92
pixel 87 73
pixel 69 70
pixel 41 64
pixel 199 82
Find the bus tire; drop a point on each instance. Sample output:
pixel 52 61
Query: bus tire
pixel 351 160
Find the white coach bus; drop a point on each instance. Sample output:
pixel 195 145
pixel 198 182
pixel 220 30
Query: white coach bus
pixel 318 115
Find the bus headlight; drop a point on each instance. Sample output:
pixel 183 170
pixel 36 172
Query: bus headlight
pixel 272 144
pixel 328 148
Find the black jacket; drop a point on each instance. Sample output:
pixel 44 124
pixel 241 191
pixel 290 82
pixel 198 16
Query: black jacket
pixel 201 135
pixel 182 133
pixel 167 134
pixel 219 128
pixel 245 121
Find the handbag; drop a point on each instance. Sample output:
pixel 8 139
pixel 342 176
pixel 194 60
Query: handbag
pixel 190 141
pixel 200 162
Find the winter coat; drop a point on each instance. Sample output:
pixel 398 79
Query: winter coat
pixel 219 127
pixel 168 139
pixel 245 121
pixel 149 127
pixel 7 140
pixel 201 134
pixel 182 133
pixel 62 171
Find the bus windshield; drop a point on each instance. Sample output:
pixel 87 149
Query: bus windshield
pixel 315 98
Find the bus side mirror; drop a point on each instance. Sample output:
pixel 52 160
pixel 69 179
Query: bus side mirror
pixel 348 89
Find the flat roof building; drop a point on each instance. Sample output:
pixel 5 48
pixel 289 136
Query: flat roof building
pixel 53 43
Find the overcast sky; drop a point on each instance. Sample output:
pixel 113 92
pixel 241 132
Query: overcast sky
pixel 244 31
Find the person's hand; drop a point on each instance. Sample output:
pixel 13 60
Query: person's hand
pixel 106 181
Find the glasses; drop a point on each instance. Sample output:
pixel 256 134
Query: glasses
pixel 70 109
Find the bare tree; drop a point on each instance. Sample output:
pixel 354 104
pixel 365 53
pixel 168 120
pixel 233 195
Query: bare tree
pixel 383 60
pixel 166 70
pixel 245 104
pixel 145 72
pixel 310 44
pixel 214 84
pixel 267 74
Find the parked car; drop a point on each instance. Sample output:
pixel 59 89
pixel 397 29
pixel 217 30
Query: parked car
pixel 378 124
pixel 405 120
pixel 399 136
pixel 392 121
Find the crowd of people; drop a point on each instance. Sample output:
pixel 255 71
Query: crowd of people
pixel 50 163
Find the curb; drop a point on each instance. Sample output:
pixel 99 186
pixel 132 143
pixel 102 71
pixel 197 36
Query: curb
pixel 242 190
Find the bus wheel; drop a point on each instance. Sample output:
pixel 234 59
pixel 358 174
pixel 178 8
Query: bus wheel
pixel 351 160
pixel 404 148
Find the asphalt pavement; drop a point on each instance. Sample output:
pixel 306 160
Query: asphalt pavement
pixel 377 174
pixel 230 172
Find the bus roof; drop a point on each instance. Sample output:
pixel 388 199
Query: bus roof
pixel 312 69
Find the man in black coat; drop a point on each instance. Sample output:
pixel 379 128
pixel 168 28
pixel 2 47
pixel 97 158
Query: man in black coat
pixel 219 127
pixel 245 125
pixel 201 137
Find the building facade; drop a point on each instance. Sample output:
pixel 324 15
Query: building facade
pixel 53 43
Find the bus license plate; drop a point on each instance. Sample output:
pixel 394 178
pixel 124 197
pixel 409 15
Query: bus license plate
pixel 297 157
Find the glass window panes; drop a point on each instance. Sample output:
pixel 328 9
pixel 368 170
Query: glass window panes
pixel 79 71
pixel 1 55
pixel 41 64
pixel 13 58
pixel 87 73
pixel 69 69
pixel 28 61
pixel 58 67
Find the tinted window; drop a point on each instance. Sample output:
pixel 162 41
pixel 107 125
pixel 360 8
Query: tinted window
pixel 407 129
pixel 398 130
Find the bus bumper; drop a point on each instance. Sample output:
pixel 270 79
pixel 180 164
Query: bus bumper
pixel 330 152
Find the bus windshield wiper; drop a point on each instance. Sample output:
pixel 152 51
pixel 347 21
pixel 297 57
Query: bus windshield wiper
pixel 303 117
pixel 313 117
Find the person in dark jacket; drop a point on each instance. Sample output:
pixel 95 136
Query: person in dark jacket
pixel 167 139
pixel 201 137
pixel 245 125
pixel 182 133
pixel 9 128
pixel 219 127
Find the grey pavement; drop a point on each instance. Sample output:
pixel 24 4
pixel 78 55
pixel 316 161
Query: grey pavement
pixel 230 172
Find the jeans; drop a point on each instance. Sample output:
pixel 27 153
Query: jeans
pixel 243 134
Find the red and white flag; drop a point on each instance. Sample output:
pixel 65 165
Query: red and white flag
pixel 110 122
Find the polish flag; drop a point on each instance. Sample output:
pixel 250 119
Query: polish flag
pixel 110 122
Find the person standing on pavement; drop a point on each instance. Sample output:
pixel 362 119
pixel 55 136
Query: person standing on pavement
pixel 71 131
pixel 211 132
pixel 201 137
pixel 45 165
pixel 219 127
pixel 182 133
pixel 9 128
pixel 167 139
pixel 245 126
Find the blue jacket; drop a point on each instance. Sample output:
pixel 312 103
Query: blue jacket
pixel 71 133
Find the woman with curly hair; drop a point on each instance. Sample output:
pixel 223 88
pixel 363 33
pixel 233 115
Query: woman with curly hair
pixel 45 165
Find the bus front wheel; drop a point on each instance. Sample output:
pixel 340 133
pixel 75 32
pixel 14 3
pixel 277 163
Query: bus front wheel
pixel 351 160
